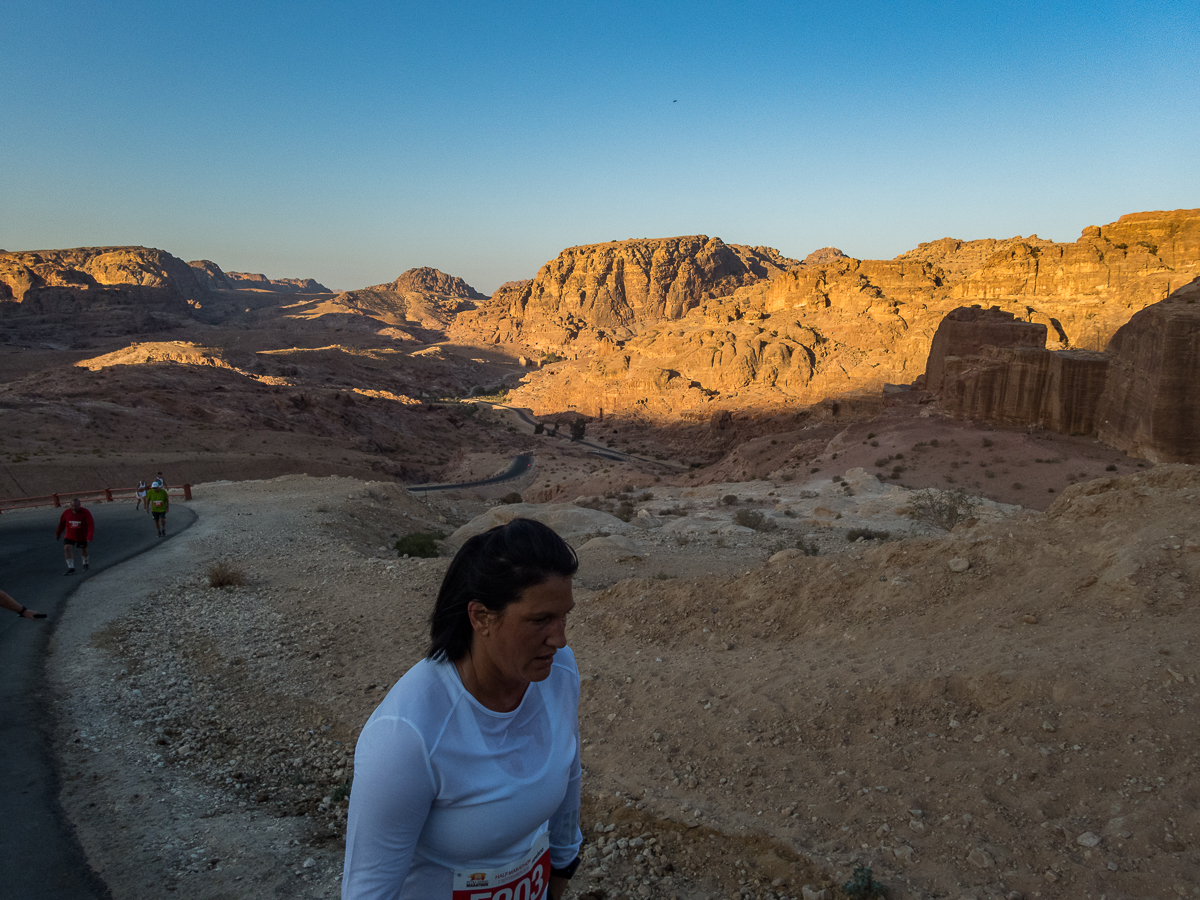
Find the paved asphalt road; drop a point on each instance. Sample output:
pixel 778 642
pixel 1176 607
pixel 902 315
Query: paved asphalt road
pixel 40 856
pixel 520 465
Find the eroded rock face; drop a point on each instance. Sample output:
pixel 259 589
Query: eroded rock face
pixel 967 330
pixel 24 274
pixel 605 293
pixel 432 281
pixel 1152 406
pixel 1058 390
pixel 810 331
pixel 258 282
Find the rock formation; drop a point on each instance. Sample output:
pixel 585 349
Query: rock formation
pixel 97 291
pixel 31 275
pixel 421 303
pixel 660 340
pixel 605 293
pixel 1152 407
pixel 431 281
pixel 989 366
pixel 252 281
pixel 1139 395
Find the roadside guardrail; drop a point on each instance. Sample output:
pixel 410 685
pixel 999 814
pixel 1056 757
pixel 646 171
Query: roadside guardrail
pixel 99 495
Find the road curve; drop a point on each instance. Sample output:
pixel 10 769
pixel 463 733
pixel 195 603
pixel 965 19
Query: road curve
pixel 520 465
pixel 40 855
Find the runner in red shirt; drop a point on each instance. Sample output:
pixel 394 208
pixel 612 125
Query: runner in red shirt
pixel 79 527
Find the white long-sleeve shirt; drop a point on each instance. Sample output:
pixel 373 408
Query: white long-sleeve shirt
pixel 443 784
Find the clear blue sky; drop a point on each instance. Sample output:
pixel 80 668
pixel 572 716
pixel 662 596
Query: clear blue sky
pixel 351 141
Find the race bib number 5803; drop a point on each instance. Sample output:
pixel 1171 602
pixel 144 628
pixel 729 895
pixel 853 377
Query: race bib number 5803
pixel 524 879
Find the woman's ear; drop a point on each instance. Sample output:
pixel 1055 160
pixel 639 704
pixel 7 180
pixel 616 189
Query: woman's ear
pixel 480 616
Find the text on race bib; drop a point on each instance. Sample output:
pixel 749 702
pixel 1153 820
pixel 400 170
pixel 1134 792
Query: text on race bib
pixel 524 879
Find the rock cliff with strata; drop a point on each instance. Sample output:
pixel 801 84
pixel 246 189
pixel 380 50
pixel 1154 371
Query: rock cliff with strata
pixel 603 294
pixel 1152 406
pixel 795 333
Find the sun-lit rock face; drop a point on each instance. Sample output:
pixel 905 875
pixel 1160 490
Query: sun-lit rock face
pixel 1139 395
pixel 431 281
pixel 1152 407
pixel 603 293
pixel 796 333
pixel 24 274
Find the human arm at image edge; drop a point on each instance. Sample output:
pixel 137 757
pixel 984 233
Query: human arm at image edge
pixel 390 801
pixel 565 836
pixel 24 612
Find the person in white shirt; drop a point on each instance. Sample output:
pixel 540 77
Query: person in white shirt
pixel 467 775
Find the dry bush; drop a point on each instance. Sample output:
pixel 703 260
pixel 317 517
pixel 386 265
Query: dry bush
pixel 942 509
pixel 225 574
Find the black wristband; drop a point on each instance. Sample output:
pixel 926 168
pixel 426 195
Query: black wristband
pixel 566 871
pixel 21 612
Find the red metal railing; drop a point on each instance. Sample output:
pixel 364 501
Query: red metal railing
pixel 96 496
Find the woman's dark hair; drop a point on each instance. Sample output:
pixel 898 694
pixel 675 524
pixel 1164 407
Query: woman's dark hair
pixel 494 568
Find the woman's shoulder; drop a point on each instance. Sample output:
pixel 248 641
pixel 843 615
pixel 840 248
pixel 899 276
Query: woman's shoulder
pixel 421 696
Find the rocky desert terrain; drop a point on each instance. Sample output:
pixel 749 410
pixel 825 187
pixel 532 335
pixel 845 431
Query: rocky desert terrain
pixel 883 563
pixel 1003 710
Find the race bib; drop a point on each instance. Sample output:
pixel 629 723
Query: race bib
pixel 525 879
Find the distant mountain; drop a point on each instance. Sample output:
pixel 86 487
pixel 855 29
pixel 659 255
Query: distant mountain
pixel 430 281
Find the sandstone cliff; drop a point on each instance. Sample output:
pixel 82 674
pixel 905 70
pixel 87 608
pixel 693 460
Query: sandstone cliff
pixel 95 291
pixel 253 281
pixel 1152 407
pixel 25 275
pixel 796 333
pixel 421 303
pixel 605 293
pixel 988 366
pixel 431 281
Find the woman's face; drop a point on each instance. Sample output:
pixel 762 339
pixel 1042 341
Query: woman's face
pixel 520 641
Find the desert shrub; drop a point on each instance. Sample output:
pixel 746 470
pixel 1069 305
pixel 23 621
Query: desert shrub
pixel 511 497
pixel 863 886
pixel 662 576
pixel 625 511
pixel 551 358
pixel 808 547
pixel 866 534
pixel 870 435
pixel 342 791
pixel 645 498
pixel 1110 468
pixel 942 509
pixel 882 461
pixel 932 443
pixel 419 543
pixel 225 574
pixel 874 443
pixel 728 500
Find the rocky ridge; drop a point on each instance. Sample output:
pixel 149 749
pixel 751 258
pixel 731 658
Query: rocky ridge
pixel 817 330
pixel 602 294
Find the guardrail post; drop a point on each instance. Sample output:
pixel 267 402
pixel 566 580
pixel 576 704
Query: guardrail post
pixel 187 492
pixel 108 494
pixel 57 502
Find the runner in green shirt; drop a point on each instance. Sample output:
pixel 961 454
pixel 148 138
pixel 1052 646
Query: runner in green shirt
pixel 157 503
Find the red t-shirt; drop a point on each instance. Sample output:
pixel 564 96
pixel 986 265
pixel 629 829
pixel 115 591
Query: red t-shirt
pixel 78 525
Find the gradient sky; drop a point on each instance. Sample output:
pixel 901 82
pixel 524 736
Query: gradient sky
pixel 350 141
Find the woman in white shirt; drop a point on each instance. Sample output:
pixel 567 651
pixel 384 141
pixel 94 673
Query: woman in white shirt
pixel 466 777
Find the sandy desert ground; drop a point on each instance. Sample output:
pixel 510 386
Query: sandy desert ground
pixel 1006 710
